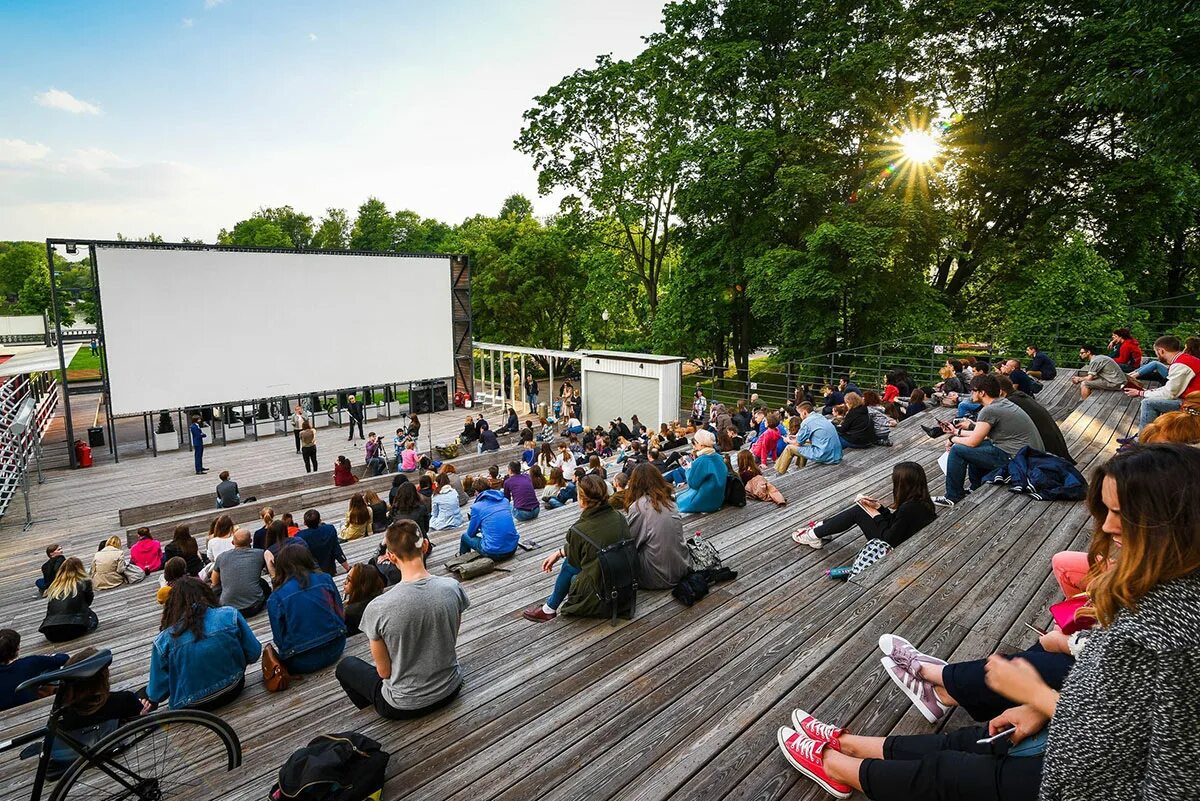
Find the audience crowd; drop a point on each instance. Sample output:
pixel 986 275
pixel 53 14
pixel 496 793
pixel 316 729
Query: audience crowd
pixel 1081 714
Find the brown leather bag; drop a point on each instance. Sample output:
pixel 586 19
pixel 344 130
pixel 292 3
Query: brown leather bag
pixel 275 675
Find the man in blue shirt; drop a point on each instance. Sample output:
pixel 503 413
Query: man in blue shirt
pixel 816 441
pixel 1040 365
pixel 198 444
pixel 322 540
pixel 1021 380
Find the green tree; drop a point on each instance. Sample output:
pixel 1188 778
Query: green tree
pixel 257 232
pixel 374 228
pixel 17 263
pixel 517 206
pixel 296 226
pixel 1074 296
pixel 334 231
pixel 609 136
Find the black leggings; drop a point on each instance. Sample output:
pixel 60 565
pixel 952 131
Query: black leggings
pixel 309 452
pixel 950 767
pixel 296 433
pixel 856 516
pixel 966 684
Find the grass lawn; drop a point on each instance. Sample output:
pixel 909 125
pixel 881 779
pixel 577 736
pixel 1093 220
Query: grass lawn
pixel 84 365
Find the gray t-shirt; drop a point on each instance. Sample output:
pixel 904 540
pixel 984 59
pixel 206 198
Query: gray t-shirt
pixel 1106 369
pixel 240 570
pixel 418 622
pixel 1011 429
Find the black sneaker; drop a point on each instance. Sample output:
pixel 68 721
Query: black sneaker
pixel 942 500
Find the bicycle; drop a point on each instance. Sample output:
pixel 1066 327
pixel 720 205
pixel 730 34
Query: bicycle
pixel 162 755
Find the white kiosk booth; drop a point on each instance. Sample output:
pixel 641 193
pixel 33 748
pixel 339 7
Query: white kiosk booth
pixel 617 384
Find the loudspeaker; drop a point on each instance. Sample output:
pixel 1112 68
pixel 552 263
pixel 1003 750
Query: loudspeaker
pixel 419 397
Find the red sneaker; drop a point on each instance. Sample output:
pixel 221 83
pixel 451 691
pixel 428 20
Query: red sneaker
pixel 537 614
pixel 814 729
pixel 805 755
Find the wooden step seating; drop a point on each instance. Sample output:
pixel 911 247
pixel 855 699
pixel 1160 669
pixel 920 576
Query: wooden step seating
pixel 678 702
pixel 294 495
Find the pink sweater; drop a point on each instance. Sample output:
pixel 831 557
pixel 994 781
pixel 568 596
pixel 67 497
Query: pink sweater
pixel 146 554
pixel 409 459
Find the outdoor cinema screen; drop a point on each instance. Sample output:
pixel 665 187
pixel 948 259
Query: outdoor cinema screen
pixel 197 327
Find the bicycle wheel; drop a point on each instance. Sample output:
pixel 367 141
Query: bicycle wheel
pixel 177 754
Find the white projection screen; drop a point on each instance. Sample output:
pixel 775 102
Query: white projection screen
pixel 199 327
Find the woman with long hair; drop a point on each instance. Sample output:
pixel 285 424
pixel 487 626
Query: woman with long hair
pixel 916 403
pixel 278 536
pixel 856 429
pixel 1181 426
pixel 358 519
pixel 308 623
pixel 343 473
pixel 220 537
pixel 1124 720
pixel 363 584
pixel 656 528
pixel 379 511
pixel 184 545
pixel 910 511
pixel 747 466
pixel 537 477
pixel 199 658
pixel 409 506
pixel 69 610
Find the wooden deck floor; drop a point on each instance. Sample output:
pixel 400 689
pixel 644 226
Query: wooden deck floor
pixel 679 703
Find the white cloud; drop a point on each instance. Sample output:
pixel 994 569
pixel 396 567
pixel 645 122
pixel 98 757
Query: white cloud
pixel 94 158
pixel 65 101
pixel 187 22
pixel 18 151
pixel 210 4
pixel 312 37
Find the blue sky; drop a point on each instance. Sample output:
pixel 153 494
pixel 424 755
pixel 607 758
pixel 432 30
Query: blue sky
pixel 183 116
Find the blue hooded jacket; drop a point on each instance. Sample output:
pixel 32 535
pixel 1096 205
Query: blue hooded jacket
pixel 491 519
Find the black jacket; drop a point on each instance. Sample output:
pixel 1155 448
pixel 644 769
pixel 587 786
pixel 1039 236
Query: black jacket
pixel 898 525
pixel 469 434
pixel 50 569
pixel 72 611
pixel 1043 421
pixel 487 439
pixel 857 427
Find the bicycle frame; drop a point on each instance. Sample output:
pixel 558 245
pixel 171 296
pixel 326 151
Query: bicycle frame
pixel 48 734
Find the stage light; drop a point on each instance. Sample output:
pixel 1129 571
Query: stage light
pixel 918 146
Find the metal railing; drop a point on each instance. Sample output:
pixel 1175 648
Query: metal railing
pixel 16 449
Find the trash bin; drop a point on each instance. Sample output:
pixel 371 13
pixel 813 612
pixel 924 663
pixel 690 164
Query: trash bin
pixel 83 453
pixel 96 436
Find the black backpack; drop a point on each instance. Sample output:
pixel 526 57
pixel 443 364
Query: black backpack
pixel 333 767
pixel 618 575
pixel 735 491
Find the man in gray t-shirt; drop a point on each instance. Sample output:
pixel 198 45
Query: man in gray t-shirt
pixel 413 631
pixel 1102 372
pixel 1001 430
pixel 237 576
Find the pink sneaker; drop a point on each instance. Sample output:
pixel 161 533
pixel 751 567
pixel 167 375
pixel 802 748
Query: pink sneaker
pixel 805 755
pixel 902 652
pixel 919 691
pixel 814 729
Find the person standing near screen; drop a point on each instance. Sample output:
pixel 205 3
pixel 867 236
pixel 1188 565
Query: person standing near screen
pixel 531 393
pixel 355 409
pixel 298 420
pixel 198 444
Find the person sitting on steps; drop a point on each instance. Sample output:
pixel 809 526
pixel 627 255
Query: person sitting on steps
pixel 816 441
pixel 910 511
pixel 1101 372
pixel 413 632
pixel 576 587
pixel 978 448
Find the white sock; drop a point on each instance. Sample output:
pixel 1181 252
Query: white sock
pixel 547 610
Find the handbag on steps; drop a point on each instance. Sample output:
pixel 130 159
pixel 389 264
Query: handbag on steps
pixel 275 675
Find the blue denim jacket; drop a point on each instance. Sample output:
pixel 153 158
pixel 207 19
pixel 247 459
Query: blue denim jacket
pixel 306 618
pixel 188 670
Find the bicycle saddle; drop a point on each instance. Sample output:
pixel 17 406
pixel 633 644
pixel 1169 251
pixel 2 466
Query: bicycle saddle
pixel 80 670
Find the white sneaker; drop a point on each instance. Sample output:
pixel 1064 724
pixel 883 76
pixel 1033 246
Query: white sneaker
pixel 942 500
pixel 805 536
pixel 811 540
